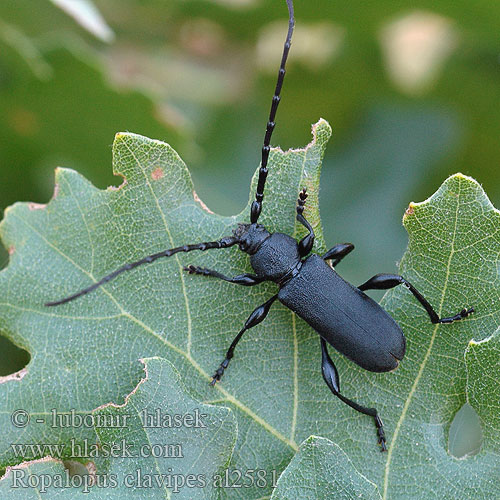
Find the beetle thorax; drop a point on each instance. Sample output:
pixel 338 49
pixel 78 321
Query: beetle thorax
pixel 276 257
pixel 273 256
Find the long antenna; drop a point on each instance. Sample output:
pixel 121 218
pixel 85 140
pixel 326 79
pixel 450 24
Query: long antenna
pixel 259 194
pixel 228 241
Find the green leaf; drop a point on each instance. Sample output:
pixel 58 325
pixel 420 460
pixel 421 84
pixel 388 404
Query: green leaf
pixel 190 441
pixel 483 388
pixel 452 255
pixel 321 471
pixel 85 353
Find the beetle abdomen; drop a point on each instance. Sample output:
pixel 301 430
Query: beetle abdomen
pixel 344 316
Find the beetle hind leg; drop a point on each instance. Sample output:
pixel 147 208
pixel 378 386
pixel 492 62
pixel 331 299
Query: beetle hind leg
pixel 387 281
pixel 331 377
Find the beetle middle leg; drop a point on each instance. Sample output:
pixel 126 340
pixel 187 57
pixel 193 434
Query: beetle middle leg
pixel 245 279
pixel 386 281
pixel 331 377
pixel 257 316
pixel 338 252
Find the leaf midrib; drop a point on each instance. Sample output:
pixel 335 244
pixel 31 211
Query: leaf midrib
pixel 423 364
pixel 229 397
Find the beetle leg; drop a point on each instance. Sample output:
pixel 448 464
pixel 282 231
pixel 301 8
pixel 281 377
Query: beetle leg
pixel 331 377
pixel 246 279
pixel 307 242
pixel 386 281
pixel 338 252
pixel 257 316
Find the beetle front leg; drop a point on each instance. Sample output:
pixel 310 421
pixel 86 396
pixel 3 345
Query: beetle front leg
pixel 331 377
pixel 307 242
pixel 257 316
pixel 245 279
pixel 338 252
pixel 386 281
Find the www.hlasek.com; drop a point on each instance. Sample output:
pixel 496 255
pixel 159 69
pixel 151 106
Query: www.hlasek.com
pixel 86 449
pixel 21 478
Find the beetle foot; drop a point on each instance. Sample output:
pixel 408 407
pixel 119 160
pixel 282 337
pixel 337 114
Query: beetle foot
pixel 380 433
pixel 301 201
pixel 220 371
pixel 382 441
pixel 194 269
pixel 461 315
pixel 466 312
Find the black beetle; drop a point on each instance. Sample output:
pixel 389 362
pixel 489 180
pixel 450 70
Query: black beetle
pixel 341 313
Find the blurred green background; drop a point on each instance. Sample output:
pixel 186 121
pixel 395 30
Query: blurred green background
pixel 411 89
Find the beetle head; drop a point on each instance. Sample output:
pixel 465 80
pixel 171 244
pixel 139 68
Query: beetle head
pixel 250 237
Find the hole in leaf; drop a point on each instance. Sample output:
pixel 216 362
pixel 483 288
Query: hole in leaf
pixel 466 434
pixel 81 475
pixel 75 468
pixel 12 358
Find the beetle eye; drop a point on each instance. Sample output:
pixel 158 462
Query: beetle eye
pixel 244 245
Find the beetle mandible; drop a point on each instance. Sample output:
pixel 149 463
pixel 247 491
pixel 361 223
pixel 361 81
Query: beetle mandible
pixel 341 313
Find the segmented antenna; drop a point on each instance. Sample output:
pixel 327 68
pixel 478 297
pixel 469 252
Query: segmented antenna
pixel 259 194
pixel 222 243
